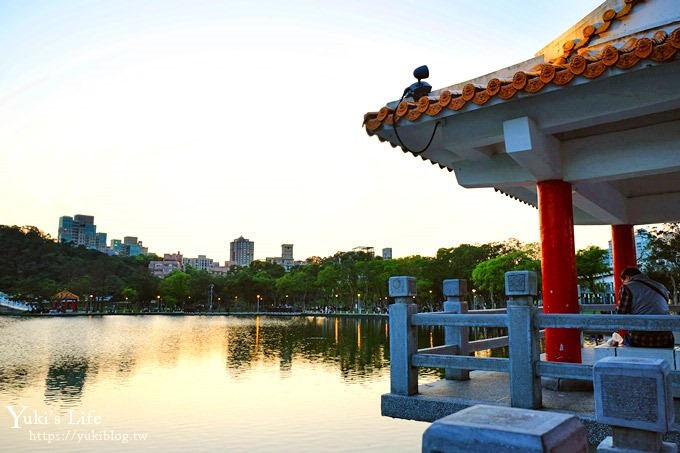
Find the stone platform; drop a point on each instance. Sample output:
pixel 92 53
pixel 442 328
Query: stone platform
pixel 441 398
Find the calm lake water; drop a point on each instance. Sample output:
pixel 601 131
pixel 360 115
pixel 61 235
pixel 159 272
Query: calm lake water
pixel 199 383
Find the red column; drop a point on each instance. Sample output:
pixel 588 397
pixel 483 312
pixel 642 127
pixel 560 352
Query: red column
pixel 623 252
pixel 558 267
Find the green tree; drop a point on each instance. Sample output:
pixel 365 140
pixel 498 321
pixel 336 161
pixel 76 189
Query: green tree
pixel 662 255
pixel 489 276
pixel 591 266
pixel 175 288
pixel 296 286
pixel 459 262
pixel 34 267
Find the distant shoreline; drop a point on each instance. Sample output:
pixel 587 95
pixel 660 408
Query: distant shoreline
pixel 214 314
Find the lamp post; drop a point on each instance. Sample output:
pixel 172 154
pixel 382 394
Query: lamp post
pixel 258 303
pixel 211 297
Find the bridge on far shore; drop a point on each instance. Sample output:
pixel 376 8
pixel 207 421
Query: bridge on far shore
pixel 15 305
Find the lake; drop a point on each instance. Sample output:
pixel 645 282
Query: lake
pixel 200 384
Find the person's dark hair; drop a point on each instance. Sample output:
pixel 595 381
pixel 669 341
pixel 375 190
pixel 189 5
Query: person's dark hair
pixel 629 272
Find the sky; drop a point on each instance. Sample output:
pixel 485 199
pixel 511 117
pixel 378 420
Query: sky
pixel 190 123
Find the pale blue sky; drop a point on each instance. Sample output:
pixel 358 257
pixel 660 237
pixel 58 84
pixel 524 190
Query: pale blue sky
pixel 190 123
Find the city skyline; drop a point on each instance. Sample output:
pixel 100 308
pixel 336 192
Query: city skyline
pixel 241 250
pixel 190 125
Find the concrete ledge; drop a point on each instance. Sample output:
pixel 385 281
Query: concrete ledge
pixel 668 354
pixel 566 385
pixel 496 428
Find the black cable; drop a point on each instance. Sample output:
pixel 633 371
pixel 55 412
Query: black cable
pixel 406 148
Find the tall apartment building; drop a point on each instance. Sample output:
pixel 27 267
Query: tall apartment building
pixel 100 239
pixel 241 251
pixel 286 259
pixel 78 230
pixel 129 246
pixel 202 263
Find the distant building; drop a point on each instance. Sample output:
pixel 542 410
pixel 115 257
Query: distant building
pixel 641 248
pixel 286 259
pixel 387 253
pixel 364 249
pixel 219 270
pixel 169 263
pixel 129 246
pixel 133 247
pixel 117 246
pixel 201 263
pixel 241 251
pixel 100 241
pixel 78 230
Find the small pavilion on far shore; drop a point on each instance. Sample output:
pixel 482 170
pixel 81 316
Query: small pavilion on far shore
pixel 65 302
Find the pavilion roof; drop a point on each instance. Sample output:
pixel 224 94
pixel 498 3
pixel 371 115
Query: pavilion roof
pixel 598 107
pixel 65 295
pixel 658 48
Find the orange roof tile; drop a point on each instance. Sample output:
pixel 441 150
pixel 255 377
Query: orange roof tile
pixel 660 47
pixel 65 295
pixel 593 30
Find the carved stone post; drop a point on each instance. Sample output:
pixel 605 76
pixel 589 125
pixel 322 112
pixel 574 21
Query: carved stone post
pixel 525 385
pixel 454 290
pixel 634 397
pixel 403 336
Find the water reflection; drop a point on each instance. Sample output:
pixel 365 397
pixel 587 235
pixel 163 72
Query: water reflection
pixel 69 353
pixel 198 382
pixel 65 380
pixel 359 348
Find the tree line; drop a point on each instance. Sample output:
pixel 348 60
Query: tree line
pixel 33 267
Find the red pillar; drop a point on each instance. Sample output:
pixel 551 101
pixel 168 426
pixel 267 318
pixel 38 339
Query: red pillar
pixel 558 267
pixel 623 252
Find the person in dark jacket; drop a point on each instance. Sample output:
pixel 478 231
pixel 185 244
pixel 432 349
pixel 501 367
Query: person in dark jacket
pixel 640 295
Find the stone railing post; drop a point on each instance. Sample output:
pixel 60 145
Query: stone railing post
pixel 634 396
pixel 403 336
pixel 454 290
pixel 525 385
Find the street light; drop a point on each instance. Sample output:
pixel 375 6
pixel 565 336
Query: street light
pixel 258 303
